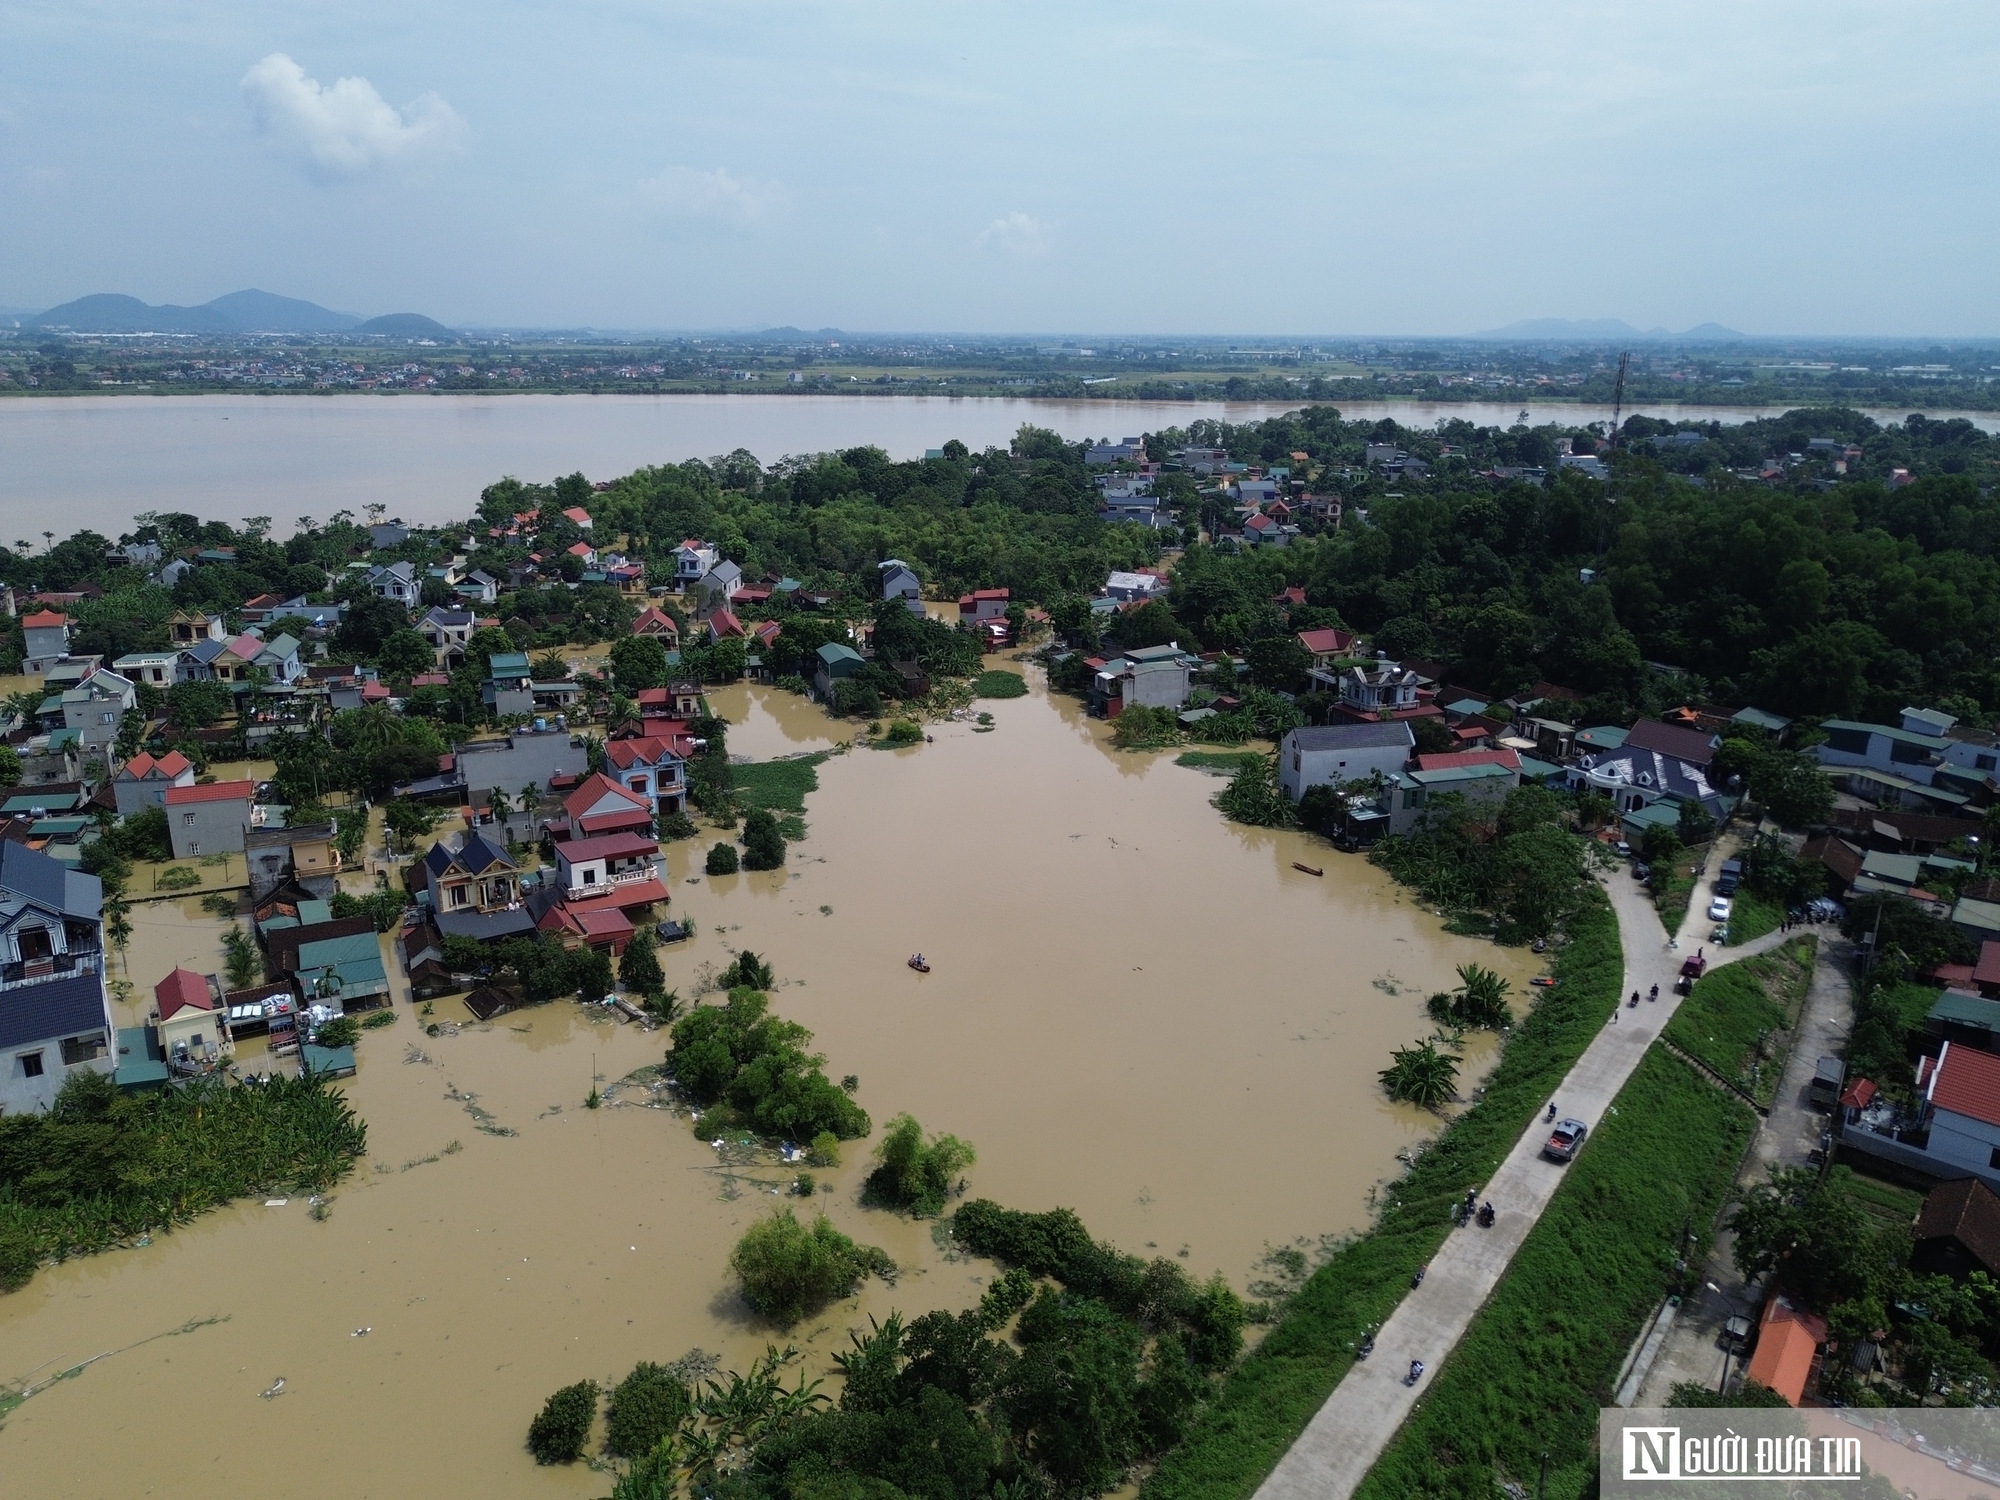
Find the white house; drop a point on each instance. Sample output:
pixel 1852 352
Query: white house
pixel 160 669
pixel 718 584
pixel 397 582
pixel 692 560
pixel 1911 755
pixel 1336 753
pixel 447 631
pixel 54 1014
pixel 93 708
pixel 594 866
pixel 1127 587
pixel 1131 451
pixel 1152 677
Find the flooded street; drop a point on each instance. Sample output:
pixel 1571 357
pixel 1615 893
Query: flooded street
pixel 1136 1010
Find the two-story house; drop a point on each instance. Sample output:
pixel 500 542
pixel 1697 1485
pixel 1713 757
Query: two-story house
pixel 447 631
pixel 475 890
pixel 983 607
pixel 47 635
pixel 1336 754
pixel 899 580
pixel 1878 758
pixel 717 585
pixel 158 669
pixel 145 779
pixel 396 583
pixel 650 767
pixel 1153 676
pixel 185 627
pixel 190 1021
pixel 607 865
pixel 479 587
pixel 54 1013
pixel 1374 695
pixel 211 819
pixel 1327 647
pixel 656 622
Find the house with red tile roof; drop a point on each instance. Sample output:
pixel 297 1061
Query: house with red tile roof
pixel 1326 645
pixel 211 819
pixel 578 515
pixel 1508 758
pixel 188 1017
pixel 1788 1339
pixel 584 553
pixel 723 625
pixel 599 806
pixel 1960 1091
pixel 144 780
pixel 653 766
pixel 652 620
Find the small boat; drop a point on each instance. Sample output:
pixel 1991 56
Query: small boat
pixel 917 963
pixel 1542 982
pixel 1307 869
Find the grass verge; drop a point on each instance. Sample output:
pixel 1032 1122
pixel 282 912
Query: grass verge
pixel 1739 1019
pixel 1218 762
pixel 1750 917
pixel 1673 884
pixel 1531 1373
pixel 1269 1397
pixel 780 787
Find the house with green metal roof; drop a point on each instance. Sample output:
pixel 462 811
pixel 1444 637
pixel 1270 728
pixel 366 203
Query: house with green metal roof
pixel 509 687
pixel 346 972
pixel 1967 1019
pixel 835 662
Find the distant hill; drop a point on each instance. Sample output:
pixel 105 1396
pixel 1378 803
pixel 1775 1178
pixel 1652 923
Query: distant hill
pixel 1607 330
pixel 405 326
pixel 249 311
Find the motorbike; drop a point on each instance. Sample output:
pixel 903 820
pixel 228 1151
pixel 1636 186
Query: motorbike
pixel 1654 994
pixel 1418 1279
pixel 1486 1216
pixel 1367 1346
pixel 1551 1114
pixel 1416 1372
pixel 1633 1001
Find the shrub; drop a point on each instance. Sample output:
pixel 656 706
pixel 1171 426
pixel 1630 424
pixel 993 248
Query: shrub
pixel 1141 728
pixel 914 1174
pixel 639 967
pixel 179 878
pixel 788 1270
pixel 557 1434
pixel 18 1259
pixel 675 825
pixel 763 844
pixel 593 974
pixel 825 1150
pixel 646 1406
pixel 747 972
pixel 375 1020
pixel 341 1031
pixel 740 1057
pixel 1006 1296
pixel 904 732
pixel 721 860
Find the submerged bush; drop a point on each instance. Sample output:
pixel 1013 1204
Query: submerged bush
pixel 558 1433
pixel 646 1406
pixel 721 860
pixel 788 1270
pixel 742 1059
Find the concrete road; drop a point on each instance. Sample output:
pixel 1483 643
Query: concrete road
pixel 1350 1431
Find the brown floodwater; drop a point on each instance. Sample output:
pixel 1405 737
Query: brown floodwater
pixel 1136 1010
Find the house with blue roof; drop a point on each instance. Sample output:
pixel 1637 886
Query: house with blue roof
pixel 55 1016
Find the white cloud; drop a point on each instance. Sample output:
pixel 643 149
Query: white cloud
pixel 684 193
pixel 346 128
pixel 1017 234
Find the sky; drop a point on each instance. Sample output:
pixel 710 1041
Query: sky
pixel 1328 167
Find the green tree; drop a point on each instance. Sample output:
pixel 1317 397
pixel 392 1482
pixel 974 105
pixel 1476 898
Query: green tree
pixel 763 844
pixel 639 968
pixel 592 970
pixel 404 653
pixel 787 1270
pixel 1253 796
pixel 914 1174
pixel 639 661
pixel 721 860
pixel 647 1406
pixel 239 958
pixel 198 705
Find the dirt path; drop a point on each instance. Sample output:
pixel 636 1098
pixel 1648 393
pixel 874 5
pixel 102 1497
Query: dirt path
pixel 1350 1431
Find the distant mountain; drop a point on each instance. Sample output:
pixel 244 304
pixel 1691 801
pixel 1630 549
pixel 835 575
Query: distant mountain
pixel 1606 330
pixel 249 311
pixel 405 326
pixel 266 312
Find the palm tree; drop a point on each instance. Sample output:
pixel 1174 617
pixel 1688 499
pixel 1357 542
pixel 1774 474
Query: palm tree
pixel 1422 1075
pixel 1481 998
pixel 501 806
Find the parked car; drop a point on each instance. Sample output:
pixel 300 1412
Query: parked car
pixel 1730 877
pixel 1720 908
pixel 1641 870
pixel 1565 1140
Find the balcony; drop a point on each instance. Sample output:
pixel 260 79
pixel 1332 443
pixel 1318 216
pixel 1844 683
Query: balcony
pixel 612 881
pixel 35 971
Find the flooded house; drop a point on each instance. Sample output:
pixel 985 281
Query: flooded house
pixel 55 1016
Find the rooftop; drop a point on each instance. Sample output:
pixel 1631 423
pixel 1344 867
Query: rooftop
pixel 215 791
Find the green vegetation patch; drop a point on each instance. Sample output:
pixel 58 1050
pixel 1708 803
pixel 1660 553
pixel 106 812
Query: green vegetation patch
pixel 1739 1019
pixel 1219 762
pixel 101 1166
pixel 779 787
pixel 748 1069
pixel 1532 1371
pixel 994 683
pixel 1751 916
pixel 1268 1399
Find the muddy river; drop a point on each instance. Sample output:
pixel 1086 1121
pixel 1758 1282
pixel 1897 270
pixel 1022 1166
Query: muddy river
pixel 1137 1010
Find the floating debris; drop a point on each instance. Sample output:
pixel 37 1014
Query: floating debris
pixel 274 1389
